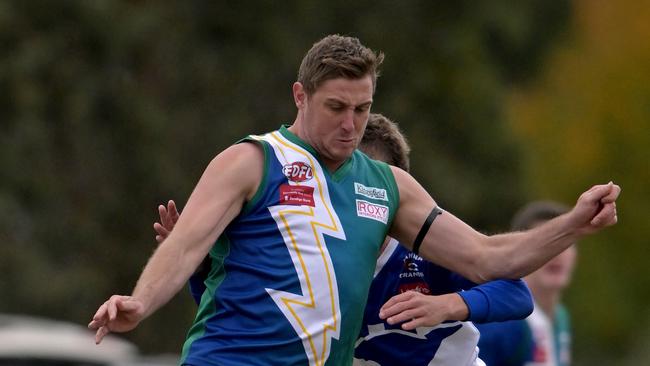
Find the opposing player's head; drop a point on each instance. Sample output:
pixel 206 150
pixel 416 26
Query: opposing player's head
pixel 333 94
pixel 555 275
pixel 383 141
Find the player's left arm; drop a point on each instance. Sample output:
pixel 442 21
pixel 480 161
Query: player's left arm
pixel 492 301
pixel 418 310
pixel 451 243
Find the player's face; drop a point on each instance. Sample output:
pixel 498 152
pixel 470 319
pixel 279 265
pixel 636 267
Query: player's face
pixel 335 117
pixel 556 274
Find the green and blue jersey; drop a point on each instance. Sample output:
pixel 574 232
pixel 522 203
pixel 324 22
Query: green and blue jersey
pixel 290 275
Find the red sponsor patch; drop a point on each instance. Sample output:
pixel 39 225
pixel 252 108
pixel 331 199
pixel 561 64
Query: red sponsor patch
pixel 297 172
pixel 420 287
pixel 296 195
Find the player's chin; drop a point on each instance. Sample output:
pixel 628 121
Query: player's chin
pixel 343 152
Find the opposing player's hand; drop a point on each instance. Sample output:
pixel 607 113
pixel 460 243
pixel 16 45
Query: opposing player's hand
pixel 168 218
pixel 117 314
pixel 419 310
pixel 596 208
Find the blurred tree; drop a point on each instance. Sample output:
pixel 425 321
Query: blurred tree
pixel 445 79
pixel 586 120
pixel 110 107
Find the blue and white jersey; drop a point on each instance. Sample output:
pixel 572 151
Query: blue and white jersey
pixel 290 275
pixel 448 344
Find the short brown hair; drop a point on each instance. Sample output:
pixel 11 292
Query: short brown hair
pixel 537 212
pixel 383 141
pixel 337 56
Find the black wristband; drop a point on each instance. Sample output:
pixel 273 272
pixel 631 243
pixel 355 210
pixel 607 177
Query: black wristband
pixel 425 227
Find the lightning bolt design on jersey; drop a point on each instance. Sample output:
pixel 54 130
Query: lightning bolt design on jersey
pixel 315 314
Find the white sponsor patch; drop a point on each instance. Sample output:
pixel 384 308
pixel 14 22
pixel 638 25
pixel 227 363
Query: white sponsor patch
pixel 370 192
pixel 297 171
pixel 372 211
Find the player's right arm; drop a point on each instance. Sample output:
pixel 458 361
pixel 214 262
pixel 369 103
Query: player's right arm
pixel 168 218
pixel 230 179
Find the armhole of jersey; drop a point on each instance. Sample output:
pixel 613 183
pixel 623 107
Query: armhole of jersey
pixel 390 177
pixel 248 206
pixel 385 256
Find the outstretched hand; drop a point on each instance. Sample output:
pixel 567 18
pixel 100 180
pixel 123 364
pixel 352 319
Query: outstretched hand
pixel 117 314
pixel 596 208
pixel 168 218
pixel 124 313
pixel 419 310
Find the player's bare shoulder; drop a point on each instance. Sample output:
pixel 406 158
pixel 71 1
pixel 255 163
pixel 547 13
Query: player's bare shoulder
pixel 410 191
pixel 241 166
pixel 414 206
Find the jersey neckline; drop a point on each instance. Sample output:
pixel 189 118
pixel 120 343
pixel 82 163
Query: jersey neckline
pixel 338 174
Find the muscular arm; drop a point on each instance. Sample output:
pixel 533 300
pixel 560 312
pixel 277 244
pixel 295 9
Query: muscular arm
pixel 451 243
pixel 168 218
pixel 228 182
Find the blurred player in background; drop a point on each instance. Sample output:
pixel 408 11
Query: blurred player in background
pixel 544 338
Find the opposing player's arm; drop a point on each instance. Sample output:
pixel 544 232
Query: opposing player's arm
pixel 493 301
pixel 418 310
pixel 455 245
pixel 497 301
pixel 228 182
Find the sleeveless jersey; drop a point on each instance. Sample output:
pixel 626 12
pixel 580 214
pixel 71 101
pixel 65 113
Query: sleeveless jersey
pixel 290 275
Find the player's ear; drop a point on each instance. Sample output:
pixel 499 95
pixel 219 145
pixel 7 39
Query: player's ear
pixel 299 95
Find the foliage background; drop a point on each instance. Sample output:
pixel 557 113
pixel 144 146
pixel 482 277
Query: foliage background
pixel 108 108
